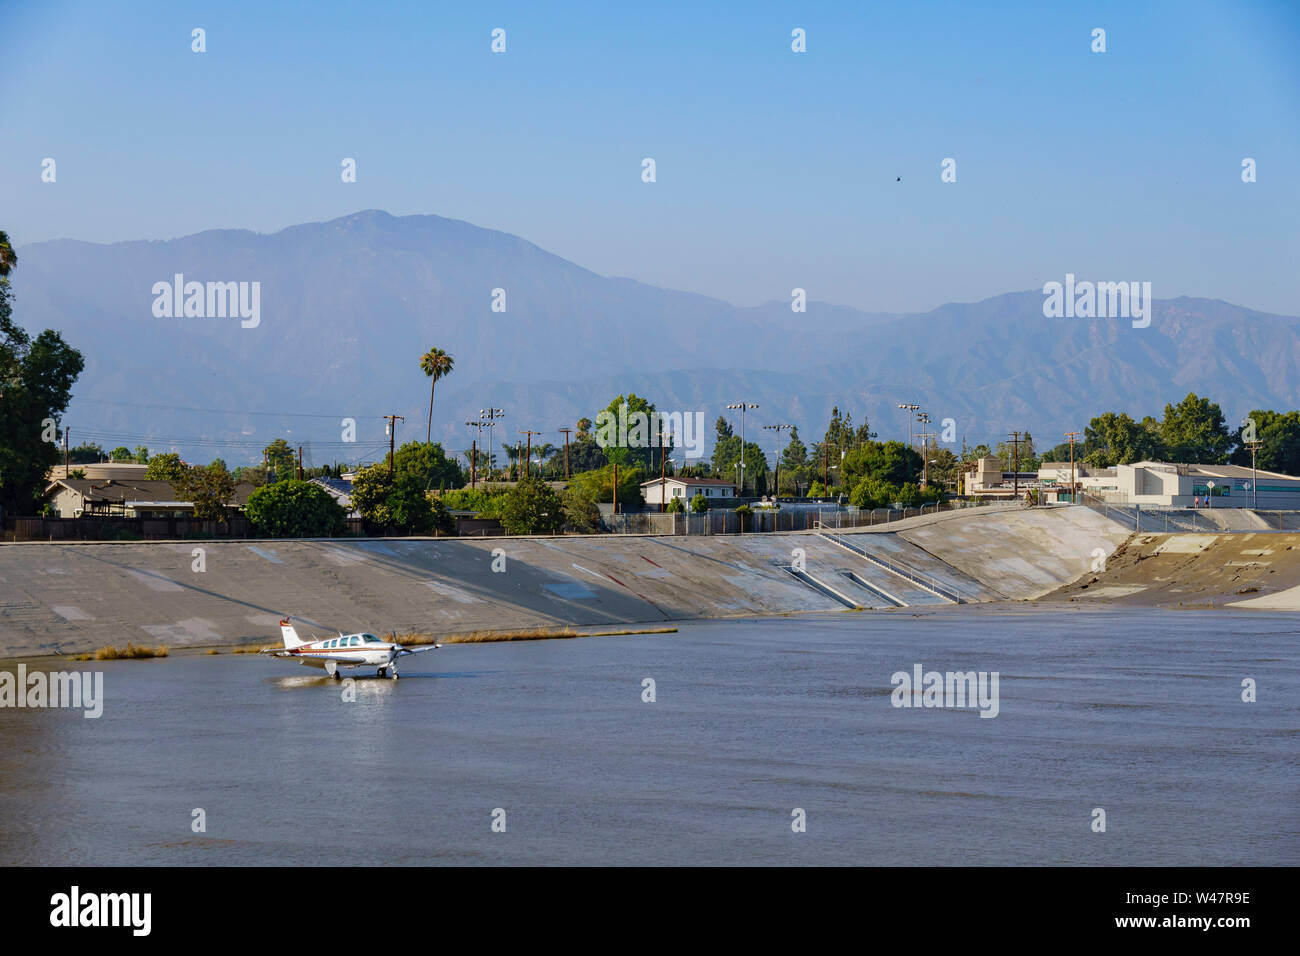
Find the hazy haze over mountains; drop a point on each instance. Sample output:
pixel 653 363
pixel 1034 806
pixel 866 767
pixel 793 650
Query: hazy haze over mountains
pixel 348 306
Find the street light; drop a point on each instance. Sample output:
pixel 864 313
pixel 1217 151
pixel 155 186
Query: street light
pixel 742 406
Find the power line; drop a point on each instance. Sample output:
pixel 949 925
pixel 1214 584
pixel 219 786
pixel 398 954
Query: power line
pixel 218 411
pixel 110 436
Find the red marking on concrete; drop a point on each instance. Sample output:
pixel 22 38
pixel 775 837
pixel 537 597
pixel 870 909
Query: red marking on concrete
pixel 638 594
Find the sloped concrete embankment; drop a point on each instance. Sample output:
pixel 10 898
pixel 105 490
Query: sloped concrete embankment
pixel 1256 571
pixel 63 598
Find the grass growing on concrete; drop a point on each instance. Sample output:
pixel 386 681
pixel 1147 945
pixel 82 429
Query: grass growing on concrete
pixel 527 634
pixel 484 637
pixel 131 652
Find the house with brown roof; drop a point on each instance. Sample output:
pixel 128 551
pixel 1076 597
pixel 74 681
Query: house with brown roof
pixel 110 497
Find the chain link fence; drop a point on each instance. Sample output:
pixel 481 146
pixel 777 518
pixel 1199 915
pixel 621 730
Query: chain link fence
pixel 796 517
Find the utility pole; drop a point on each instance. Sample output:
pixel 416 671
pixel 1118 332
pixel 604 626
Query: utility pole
pixel 1254 475
pixel 566 452
pixel 663 472
pixel 390 467
pixel 473 454
pixel 528 468
pixel 1015 471
pixel 392 435
pixel 776 492
pixel 66 453
pixel 490 415
pixel 1072 436
pixel 615 509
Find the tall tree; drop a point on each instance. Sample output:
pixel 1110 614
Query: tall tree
pixel 8 258
pixel 398 503
pixel 436 364
pixel 1278 435
pixel 36 378
pixel 209 488
pixel 166 467
pixel 891 463
pixel 1194 431
pixel 584 453
pixel 639 445
pixel 280 459
pixel 1116 439
pixel 795 453
pixel 427 466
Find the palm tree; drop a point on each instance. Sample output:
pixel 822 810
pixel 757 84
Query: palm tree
pixel 436 363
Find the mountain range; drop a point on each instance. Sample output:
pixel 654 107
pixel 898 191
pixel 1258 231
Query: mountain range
pixel 348 306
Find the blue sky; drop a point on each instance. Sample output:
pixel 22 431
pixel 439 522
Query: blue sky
pixel 775 169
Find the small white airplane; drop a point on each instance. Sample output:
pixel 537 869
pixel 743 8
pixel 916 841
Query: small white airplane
pixel 346 650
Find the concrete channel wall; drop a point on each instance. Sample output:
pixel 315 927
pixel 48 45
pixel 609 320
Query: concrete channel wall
pixel 67 597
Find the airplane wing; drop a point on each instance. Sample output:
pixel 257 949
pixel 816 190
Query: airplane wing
pixel 278 652
pixel 419 650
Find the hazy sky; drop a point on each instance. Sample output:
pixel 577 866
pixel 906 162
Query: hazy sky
pixel 774 169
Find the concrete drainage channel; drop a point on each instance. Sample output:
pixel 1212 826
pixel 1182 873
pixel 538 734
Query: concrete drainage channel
pixel 820 586
pixel 875 590
pixel 907 574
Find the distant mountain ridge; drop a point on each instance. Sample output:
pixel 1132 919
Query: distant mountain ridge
pixel 349 305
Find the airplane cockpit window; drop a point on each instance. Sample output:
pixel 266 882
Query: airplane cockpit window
pixel 370 638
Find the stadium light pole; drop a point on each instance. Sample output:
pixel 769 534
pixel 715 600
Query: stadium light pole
pixel 911 410
pixel 776 493
pixel 490 415
pixel 742 406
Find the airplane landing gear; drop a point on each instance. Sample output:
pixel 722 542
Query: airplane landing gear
pixel 337 675
pixel 382 672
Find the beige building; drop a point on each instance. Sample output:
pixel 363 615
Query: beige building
pixel 98 471
pixel 1055 475
pixel 85 497
pixel 988 480
pixel 1160 483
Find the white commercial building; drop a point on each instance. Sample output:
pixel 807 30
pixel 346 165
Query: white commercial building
pixel 1227 486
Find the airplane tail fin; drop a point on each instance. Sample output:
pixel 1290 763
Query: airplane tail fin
pixel 291 638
